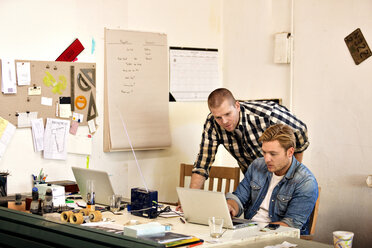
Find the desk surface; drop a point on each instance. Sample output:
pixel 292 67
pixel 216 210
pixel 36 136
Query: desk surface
pixel 229 238
pixel 275 241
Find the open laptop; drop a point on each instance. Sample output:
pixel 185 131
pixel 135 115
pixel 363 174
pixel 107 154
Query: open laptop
pixel 102 184
pixel 198 205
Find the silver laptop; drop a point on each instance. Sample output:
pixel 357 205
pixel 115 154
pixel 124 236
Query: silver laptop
pixel 102 184
pixel 198 205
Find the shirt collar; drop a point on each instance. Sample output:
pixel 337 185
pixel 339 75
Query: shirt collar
pixel 292 169
pixel 240 123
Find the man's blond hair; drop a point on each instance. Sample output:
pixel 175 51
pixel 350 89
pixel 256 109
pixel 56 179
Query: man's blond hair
pixel 282 133
pixel 218 96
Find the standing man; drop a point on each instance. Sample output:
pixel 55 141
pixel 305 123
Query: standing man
pixel 237 126
pixel 277 188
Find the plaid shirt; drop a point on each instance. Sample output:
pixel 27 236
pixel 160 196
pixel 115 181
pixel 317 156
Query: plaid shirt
pixel 255 118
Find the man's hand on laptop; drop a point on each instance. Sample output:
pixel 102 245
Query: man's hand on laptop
pixel 233 207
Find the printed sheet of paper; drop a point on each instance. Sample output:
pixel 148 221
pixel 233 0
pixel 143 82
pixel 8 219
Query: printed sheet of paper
pixel 9 82
pixel 7 131
pixel 24 119
pixel 56 138
pixel 23 73
pixel 38 134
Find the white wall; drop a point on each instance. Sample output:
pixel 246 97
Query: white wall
pixel 41 30
pixel 331 94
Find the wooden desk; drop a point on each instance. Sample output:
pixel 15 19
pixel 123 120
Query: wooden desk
pixel 229 238
pixel 275 241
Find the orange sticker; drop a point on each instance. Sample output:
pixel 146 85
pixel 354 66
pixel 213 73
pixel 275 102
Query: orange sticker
pixel 80 102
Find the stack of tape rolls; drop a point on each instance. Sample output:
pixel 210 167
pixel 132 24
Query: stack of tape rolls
pixel 95 216
pixel 84 215
pixel 78 218
pixel 65 216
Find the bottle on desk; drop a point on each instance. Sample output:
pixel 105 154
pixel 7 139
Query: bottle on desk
pixel 35 204
pixel 48 201
pixel 90 195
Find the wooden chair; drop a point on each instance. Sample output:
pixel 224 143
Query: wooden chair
pixel 313 219
pixel 219 172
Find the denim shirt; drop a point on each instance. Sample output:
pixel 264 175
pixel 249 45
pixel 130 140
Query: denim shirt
pixel 292 200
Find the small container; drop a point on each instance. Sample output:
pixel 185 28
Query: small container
pixel 34 207
pixel 48 201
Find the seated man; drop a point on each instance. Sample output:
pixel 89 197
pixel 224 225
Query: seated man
pixel 276 188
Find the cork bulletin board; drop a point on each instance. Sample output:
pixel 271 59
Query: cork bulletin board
pixel 67 82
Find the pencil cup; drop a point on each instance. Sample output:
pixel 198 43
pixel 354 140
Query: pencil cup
pixel 342 239
pixel 215 226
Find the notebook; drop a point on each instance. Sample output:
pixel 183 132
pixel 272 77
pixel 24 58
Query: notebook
pixel 198 205
pixel 102 184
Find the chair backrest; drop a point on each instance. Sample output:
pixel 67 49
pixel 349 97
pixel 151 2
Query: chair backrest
pixel 219 172
pixel 313 219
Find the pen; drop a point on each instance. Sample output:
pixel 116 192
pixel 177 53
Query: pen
pixel 182 220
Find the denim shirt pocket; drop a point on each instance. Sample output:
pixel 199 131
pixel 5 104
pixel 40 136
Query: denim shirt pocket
pixel 282 203
pixel 255 190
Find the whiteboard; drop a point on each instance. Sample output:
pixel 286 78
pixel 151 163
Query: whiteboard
pixel 136 90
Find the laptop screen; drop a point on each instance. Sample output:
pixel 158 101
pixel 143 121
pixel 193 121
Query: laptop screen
pixel 198 205
pixel 102 184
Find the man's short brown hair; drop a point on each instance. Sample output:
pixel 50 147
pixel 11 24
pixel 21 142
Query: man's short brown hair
pixel 218 96
pixel 282 133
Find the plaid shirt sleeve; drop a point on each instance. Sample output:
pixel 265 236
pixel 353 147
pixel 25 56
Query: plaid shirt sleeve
pixel 208 148
pixel 281 114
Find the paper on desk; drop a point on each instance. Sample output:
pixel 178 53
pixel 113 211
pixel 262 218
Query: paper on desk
pixel 285 244
pixel 38 134
pixel 24 119
pixel 171 214
pixel 55 138
pixel 7 131
pixel 23 73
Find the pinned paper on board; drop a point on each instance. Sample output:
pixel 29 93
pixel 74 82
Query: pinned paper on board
pixel 65 107
pixel 55 138
pixel 23 73
pixel 74 127
pixel 34 91
pixel 8 84
pixel 38 134
pixel 46 101
pixel 24 119
pixel 77 117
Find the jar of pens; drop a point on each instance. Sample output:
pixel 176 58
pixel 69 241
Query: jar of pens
pixel 39 178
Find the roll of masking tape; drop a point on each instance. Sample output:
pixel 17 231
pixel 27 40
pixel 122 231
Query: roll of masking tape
pixel 65 216
pixel 84 211
pixel 369 181
pixel 77 218
pixel 95 216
